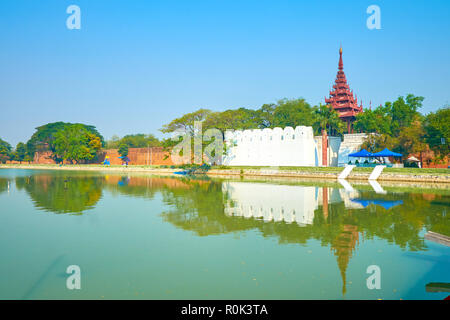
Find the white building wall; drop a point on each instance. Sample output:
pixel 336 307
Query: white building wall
pixel 271 147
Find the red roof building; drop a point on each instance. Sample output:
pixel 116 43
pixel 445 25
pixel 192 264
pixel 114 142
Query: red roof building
pixel 341 98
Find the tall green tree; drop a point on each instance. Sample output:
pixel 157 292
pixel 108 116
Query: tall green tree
pixel 44 137
pixel 437 131
pixel 404 111
pixel 185 125
pixel 140 140
pixel 13 156
pixel 28 158
pixel 411 139
pixel 21 152
pixel 327 120
pixel 293 113
pixel 376 121
pixel 113 143
pixel 266 115
pixel 75 143
pixel 391 118
pixel 5 151
pixel 123 150
pixel 239 119
pixel 186 122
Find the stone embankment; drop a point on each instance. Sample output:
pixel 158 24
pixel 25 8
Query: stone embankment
pixel 300 173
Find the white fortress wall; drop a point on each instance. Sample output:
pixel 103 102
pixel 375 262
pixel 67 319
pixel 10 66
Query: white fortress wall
pixel 271 147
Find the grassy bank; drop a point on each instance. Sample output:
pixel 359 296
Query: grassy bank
pixel 412 171
pixel 389 174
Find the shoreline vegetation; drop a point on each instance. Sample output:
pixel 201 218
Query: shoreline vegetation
pixel 316 173
pixel 397 125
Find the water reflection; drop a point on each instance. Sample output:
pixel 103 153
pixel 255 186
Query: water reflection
pixel 61 193
pixel 4 185
pixel 338 217
pixel 214 206
pixel 271 202
pixel 383 203
pixel 296 214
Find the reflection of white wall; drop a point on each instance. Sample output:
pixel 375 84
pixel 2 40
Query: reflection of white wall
pixel 346 196
pixel 271 202
pixel 271 147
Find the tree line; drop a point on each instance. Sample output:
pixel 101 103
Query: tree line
pixel 284 113
pixel 400 127
pixel 70 142
pixel 396 125
pixel 139 140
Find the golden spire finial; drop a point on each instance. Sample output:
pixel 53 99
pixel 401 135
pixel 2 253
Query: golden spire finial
pixel 340 50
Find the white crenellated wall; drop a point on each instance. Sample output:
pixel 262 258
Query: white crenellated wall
pixel 271 147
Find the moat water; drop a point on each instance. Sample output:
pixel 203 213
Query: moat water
pixel 148 237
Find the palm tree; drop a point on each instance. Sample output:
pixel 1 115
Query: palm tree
pixel 328 119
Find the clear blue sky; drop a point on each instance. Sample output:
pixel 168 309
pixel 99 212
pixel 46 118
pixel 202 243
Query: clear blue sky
pixel 136 65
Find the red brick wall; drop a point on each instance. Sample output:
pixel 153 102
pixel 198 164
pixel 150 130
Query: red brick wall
pixel 428 157
pixel 437 165
pixel 138 156
pixel 43 157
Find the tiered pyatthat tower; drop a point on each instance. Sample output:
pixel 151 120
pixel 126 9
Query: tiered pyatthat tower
pixel 341 98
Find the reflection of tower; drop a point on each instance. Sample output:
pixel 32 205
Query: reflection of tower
pixel 343 246
pixel 325 202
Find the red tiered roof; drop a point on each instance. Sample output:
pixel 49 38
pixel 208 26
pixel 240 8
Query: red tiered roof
pixel 341 98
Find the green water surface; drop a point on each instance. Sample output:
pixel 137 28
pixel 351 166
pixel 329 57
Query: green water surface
pixel 148 237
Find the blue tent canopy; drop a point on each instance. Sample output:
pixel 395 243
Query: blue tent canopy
pixel 362 153
pixel 386 153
